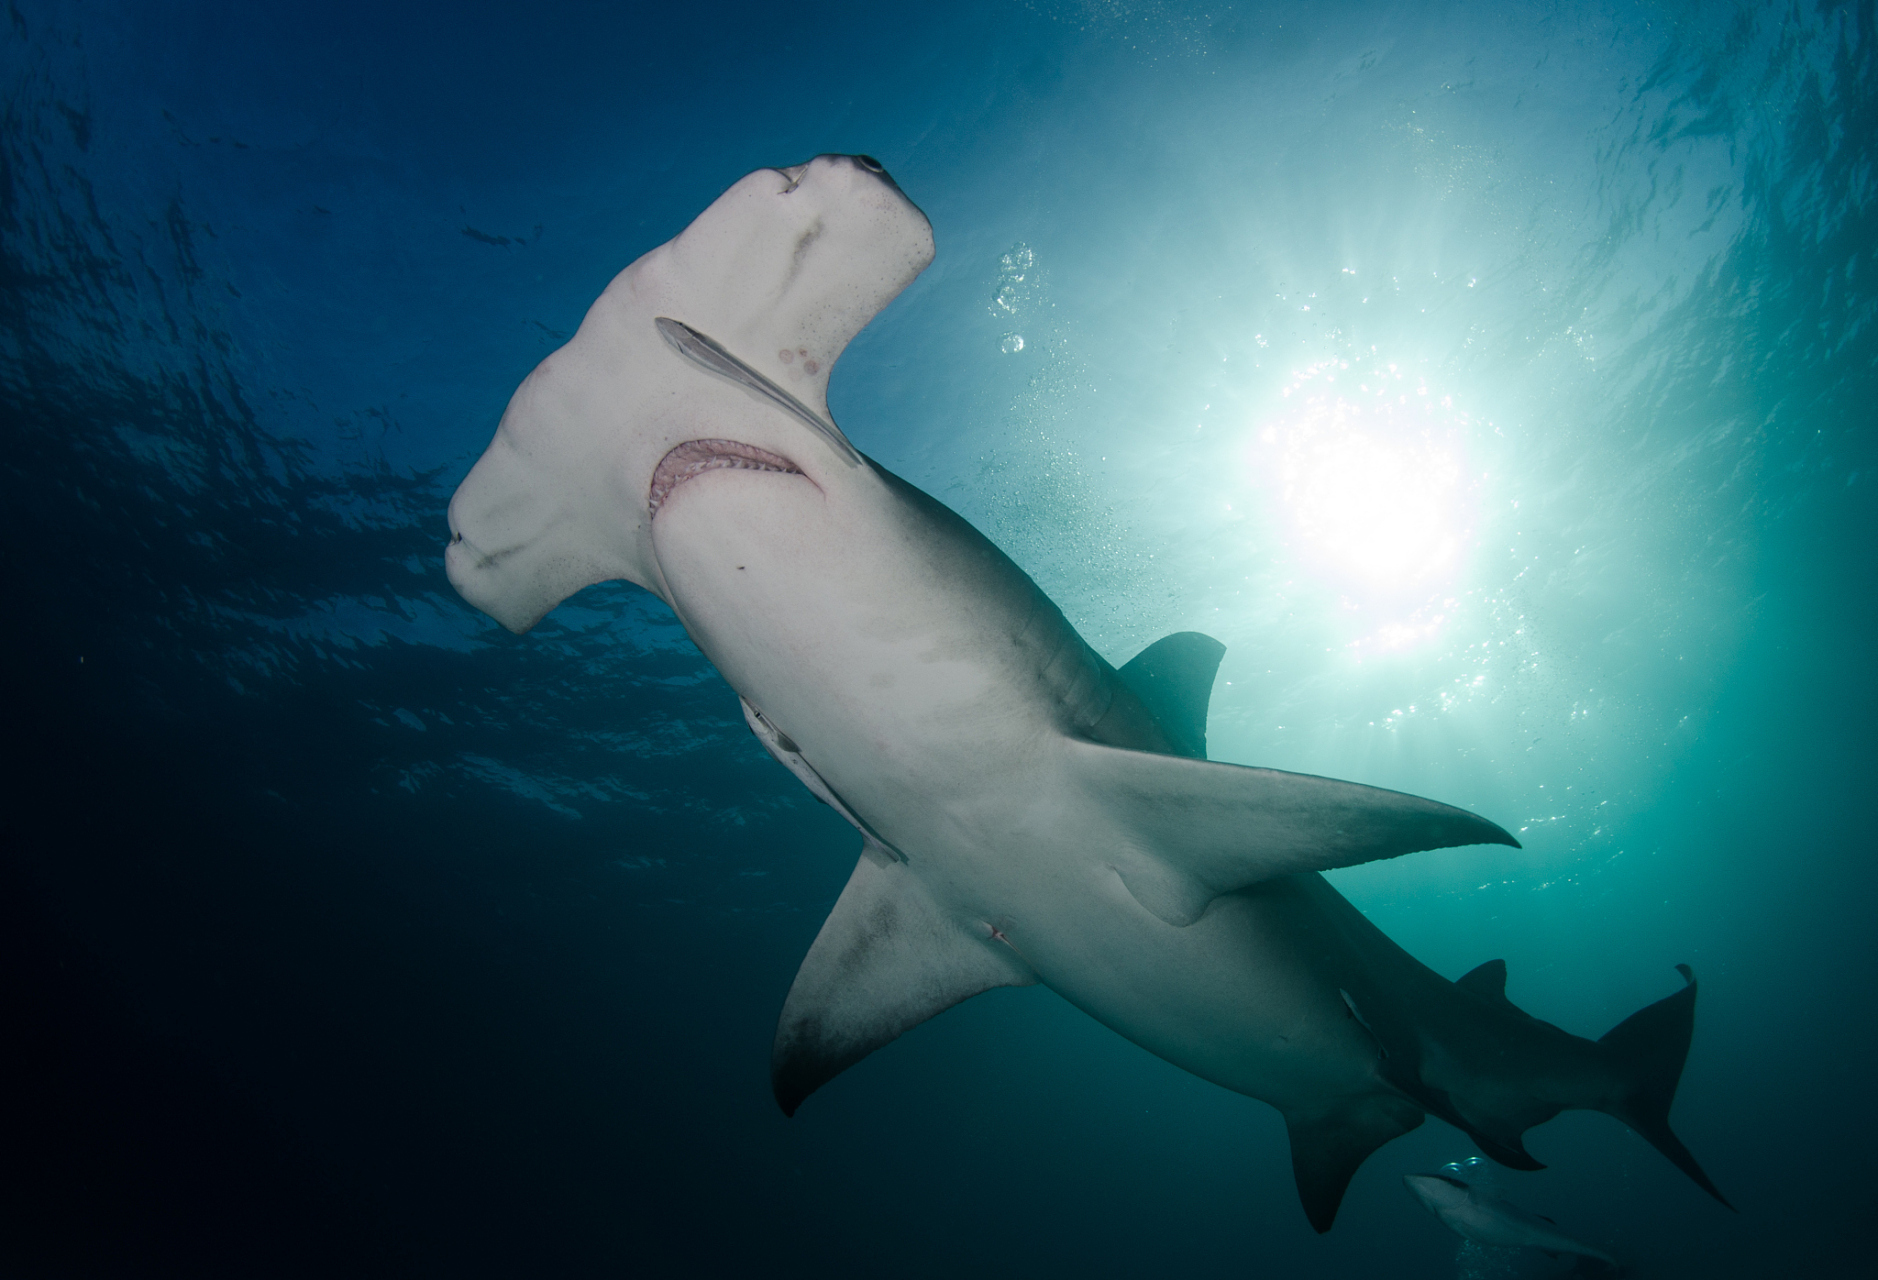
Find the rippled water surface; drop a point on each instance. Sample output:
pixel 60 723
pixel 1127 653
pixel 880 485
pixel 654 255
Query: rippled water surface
pixel 1497 382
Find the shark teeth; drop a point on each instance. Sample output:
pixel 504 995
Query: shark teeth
pixel 695 457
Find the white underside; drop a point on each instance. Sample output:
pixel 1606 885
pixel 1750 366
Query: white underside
pixel 844 618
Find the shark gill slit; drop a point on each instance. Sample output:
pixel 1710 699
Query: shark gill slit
pixel 695 457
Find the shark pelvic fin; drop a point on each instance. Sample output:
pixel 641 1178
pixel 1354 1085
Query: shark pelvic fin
pixel 1174 678
pixel 886 960
pixel 1509 1150
pixel 1329 1143
pixel 1190 830
pixel 1400 1064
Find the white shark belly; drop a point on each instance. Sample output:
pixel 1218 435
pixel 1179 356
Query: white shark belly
pixel 834 619
pixel 1227 998
pixel 840 632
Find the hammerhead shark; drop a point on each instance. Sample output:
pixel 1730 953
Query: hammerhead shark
pixel 1028 813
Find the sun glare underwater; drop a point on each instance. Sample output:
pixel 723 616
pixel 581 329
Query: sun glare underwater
pixel 1372 478
pixel 1495 382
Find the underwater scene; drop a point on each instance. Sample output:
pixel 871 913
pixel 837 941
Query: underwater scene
pixel 1319 556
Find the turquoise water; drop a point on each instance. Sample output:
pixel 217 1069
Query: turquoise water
pixel 1496 382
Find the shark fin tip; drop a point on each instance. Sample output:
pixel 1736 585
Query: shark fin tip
pixel 788 1097
pixel 1500 835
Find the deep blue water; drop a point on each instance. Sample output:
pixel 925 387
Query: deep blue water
pixel 346 934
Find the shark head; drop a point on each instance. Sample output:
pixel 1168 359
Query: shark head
pixel 1477 1213
pixel 712 350
pixel 1440 1193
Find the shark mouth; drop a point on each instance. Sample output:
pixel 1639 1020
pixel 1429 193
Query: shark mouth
pixel 695 457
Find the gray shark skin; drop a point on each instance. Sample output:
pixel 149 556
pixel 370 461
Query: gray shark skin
pixel 1478 1215
pixel 1028 813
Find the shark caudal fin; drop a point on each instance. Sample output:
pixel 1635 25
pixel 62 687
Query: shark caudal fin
pixel 1649 1048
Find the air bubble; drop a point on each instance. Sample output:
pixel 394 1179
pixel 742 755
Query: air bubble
pixel 1016 289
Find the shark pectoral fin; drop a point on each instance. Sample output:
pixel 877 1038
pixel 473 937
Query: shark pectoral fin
pixel 887 959
pixel 1193 829
pixel 1330 1141
pixel 1173 677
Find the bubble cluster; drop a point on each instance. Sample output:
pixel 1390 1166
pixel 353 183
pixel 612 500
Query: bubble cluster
pixel 1015 283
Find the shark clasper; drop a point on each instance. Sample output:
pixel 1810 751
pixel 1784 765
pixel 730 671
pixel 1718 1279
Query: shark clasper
pixel 1028 813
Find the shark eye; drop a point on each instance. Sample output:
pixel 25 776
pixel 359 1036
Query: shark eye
pixel 870 164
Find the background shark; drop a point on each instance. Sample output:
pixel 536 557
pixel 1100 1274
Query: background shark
pixel 1462 1196
pixel 1028 813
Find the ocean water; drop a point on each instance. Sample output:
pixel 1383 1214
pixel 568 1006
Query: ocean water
pixel 1497 381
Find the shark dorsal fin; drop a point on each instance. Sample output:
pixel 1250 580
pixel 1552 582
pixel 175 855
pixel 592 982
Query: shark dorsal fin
pixel 887 959
pixel 1174 677
pixel 1488 981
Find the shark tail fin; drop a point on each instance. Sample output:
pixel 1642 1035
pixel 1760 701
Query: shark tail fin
pixel 1648 1049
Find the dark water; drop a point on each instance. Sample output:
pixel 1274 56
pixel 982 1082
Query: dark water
pixel 346 934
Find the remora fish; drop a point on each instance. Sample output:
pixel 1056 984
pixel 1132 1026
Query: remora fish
pixel 1028 813
pixel 1479 1215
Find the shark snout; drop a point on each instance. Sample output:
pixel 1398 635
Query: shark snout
pixel 862 167
pixel 479 576
pixel 1436 1190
